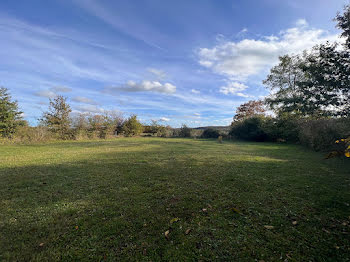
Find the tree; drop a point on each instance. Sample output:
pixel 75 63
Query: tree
pixel 315 84
pixel 286 95
pixel 344 24
pixel 326 87
pixel 57 117
pixel 249 109
pixel 10 116
pixel 132 126
pixel 185 131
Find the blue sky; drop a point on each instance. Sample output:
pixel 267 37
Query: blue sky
pixel 184 61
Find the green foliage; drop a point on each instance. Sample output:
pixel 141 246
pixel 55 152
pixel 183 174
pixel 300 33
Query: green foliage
pixel 210 133
pixel 320 134
pixel 326 89
pixel 103 126
pixel 343 23
pixel 185 131
pixel 286 128
pixel 57 118
pixel 29 134
pixel 312 85
pixel 251 129
pixel 158 130
pixel 283 81
pixel 10 116
pixel 132 126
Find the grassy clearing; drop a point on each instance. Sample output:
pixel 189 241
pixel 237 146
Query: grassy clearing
pixel 115 199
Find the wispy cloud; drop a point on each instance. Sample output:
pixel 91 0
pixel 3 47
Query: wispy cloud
pixel 144 86
pixel 45 93
pixel 85 100
pixel 136 29
pixel 159 74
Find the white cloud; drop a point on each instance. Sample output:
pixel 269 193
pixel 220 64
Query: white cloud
pixel 45 93
pixel 249 57
pixel 195 91
pixel 158 73
pixel 197 114
pixel 145 86
pixel 52 92
pixel 234 88
pixel 90 109
pixel 301 22
pixel 164 119
pixel 62 89
pixel 81 99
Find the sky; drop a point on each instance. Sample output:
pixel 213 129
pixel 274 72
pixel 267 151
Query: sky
pixel 177 62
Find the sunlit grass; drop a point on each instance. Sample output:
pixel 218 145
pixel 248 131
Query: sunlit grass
pixel 114 200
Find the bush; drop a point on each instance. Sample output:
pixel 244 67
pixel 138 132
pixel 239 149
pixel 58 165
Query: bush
pixel 321 134
pixel 252 129
pixel 210 133
pixel 286 128
pixel 132 126
pixel 185 131
pixel 33 134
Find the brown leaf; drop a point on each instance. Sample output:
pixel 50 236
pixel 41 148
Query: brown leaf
pixel 188 231
pixel 295 223
pixel 41 244
pixel 205 210
pixel 269 227
pixel 166 234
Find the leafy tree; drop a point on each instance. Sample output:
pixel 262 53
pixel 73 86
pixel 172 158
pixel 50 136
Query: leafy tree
pixel 249 109
pixel 326 87
pixel 286 96
pixel 344 24
pixel 57 117
pixel 185 131
pixel 316 84
pixel 132 126
pixel 10 116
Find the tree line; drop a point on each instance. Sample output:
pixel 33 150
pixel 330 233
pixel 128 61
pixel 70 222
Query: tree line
pixel 309 98
pixel 309 103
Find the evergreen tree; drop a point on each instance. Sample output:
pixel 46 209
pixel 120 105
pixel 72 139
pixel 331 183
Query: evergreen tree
pixel 57 118
pixel 10 116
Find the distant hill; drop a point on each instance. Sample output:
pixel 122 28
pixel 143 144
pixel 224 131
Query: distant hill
pixel 222 128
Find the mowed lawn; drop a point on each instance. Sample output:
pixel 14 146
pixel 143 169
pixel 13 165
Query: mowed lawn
pixel 157 199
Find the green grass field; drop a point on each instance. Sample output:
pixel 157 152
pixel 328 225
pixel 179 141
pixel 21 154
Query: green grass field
pixel 115 200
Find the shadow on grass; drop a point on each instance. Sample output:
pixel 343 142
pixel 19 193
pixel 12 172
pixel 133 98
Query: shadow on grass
pixel 119 204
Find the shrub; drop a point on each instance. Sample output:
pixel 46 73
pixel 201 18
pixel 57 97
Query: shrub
pixel 32 134
pixel 210 133
pixel 320 134
pixel 132 126
pixel 185 131
pixel 251 129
